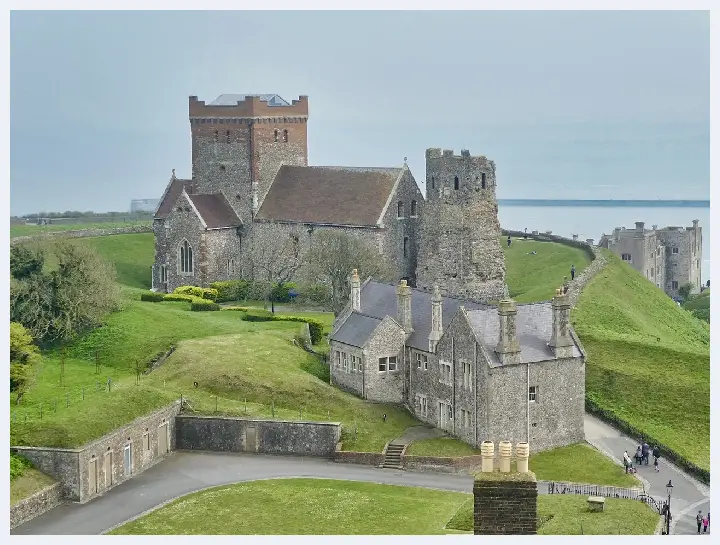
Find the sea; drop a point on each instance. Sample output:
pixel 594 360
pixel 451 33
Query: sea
pixel 593 218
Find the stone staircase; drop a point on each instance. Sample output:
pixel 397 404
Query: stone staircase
pixel 393 455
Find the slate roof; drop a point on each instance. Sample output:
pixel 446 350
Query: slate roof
pixel 329 195
pixel 232 99
pixel 356 330
pixel 534 329
pixel 215 211
pixel 378 300
pixel 172 192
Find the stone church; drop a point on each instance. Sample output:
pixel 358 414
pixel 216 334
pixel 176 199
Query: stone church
pixel 251 182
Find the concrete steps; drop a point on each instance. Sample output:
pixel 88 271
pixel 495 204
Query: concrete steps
pixel 393 458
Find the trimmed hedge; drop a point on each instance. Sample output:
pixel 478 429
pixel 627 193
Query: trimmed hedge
pixel 230 290
pixel 258 315
pixel 630 430
pixel 179 297
pixel 203 305
pixel 152 296
pixel 316 328
pixel 196 291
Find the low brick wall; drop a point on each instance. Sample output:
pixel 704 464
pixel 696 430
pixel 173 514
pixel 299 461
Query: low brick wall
pixel 91 470
pixel 505 505
pixel 361 458
pixel 36 505
pixel 80 233
pixel 230 434
pixel 461 464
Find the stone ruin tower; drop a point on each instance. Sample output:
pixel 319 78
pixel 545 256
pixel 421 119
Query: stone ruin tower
pixel 459 239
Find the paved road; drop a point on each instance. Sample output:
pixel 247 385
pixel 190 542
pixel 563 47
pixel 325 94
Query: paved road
pixel 689 495
pixel 185 472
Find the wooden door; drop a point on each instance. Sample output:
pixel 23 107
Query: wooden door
pixel 163 439
pixel 108 469
pixel 92 477
pixel 250 439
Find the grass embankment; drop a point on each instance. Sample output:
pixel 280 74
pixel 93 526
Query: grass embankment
pixel 578 463
pixel 648 360
pixel 569 515
pixel 322 507
pixel 531 278
pixel 699 305
pixel 29 230
pixel 25 480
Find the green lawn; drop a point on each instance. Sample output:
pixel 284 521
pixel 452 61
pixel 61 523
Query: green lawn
pixel 29 230
pixel 532 278
pixel 322 507
pixel 133 256
pixel 699 305
pixel 569 515
pixel 648 360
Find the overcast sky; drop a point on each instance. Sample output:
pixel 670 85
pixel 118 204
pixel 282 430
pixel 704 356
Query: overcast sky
pixel 568 104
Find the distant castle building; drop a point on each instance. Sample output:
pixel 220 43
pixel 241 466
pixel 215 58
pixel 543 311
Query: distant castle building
pixel 144 205
pixel 669 257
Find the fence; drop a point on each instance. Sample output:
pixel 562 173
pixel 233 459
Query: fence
pixel 606 492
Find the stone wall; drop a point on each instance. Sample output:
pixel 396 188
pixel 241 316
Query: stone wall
pixel 228 434
pixel 361 458
pixel 36 505
pixel 465 465
pixel 93 469
pixel 344 377
pixel 387 340
pixel 505 504
pixel 80 233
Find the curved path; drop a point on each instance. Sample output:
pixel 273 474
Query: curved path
pixel 185 472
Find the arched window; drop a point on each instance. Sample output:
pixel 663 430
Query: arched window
pixel 457 182
pixel 413 208
pixel 276 134
pixel 405 247
pixel 432 181
pixel 483 180
pixel 185 257
pixel 216 136
pixel 227 136
pixel 285 135
pixel 401 209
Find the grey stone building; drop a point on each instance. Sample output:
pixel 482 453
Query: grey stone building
pixel 669 257
pixel 251 182
pixel 480 372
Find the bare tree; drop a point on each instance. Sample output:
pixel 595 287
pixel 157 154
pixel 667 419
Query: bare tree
pixel 276 259
pixel 332 257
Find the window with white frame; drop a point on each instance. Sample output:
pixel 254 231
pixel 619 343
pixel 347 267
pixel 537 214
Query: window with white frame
pixel 382 364
pixel 392 363
pixel 345 362
pixel 532 393
pixel 465 420
pixel 353 363
pixel 163 273
pixel 467 376
pixel 337 358
pixel 359 361
pixel 422 361
pixel 185 257
pixel 626 257
pixel 422 404
pixel 445 372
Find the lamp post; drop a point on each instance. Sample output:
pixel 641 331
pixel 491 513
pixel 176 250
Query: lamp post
pixel 668 517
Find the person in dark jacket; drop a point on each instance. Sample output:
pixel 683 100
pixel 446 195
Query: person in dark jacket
pixel 572 272
pixel 656 452
pixel 646 453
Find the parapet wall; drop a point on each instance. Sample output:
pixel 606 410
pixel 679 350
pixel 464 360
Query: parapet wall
pixel 250 107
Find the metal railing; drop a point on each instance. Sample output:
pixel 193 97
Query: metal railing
pixel 606 492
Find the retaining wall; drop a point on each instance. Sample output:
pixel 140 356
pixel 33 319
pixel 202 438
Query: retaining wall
pixel 230 434
pixel 36 505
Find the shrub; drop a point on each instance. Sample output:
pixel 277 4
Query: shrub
pixel 314 294
pixel 258 290
pixel 258 315
pixel 152 296
pixel 178 297
pixel 210 294
pixel 200 305
pixel 235 309
pixel 189 290
pixel 230 290
pixel 18 465
pixel 281 292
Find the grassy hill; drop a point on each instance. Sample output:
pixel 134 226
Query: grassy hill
pixel 699 305
pixel 648 359
pixel 30 230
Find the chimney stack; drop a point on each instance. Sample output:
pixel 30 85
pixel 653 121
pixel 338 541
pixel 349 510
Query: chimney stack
pixel 695 224
pixel 508 348
pixel 355 291
pixel 436 327
pixel 561 342
pixel 404 307
pixel 640 226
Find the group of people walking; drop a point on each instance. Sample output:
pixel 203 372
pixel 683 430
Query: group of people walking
pixel 642 456
pixel 703 521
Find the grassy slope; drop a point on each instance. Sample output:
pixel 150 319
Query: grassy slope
pixel 569 515
pixel 30 482
pixel 648 360
pixel 321 507
pixel 532 278
pixel 29 230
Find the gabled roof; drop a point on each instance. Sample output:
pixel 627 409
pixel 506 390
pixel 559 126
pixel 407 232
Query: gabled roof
pixel 356 329
pixel 215 210
pixel 232 99
pixel 329 195
pixel 378 300
pixel 533 325
pixel 170 197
